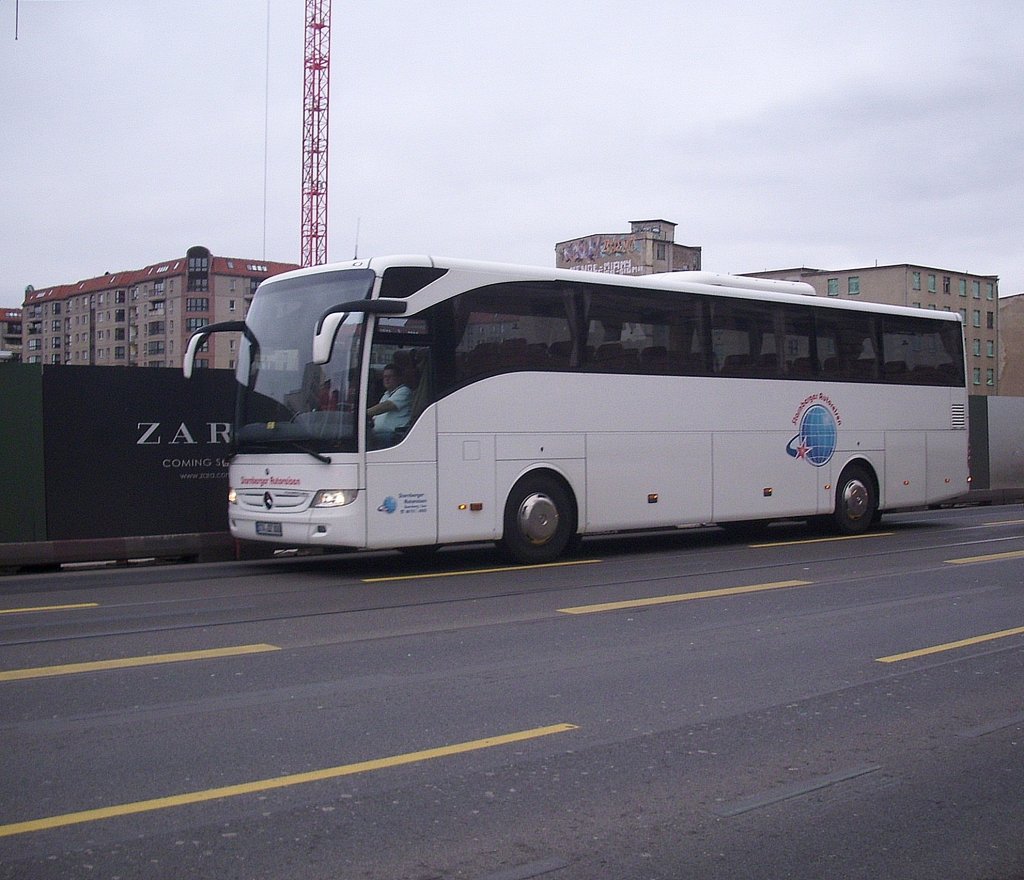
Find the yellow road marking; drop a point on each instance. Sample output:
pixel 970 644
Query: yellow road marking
pixel 950 646
pixel 681 597
pixel 825 540
pixel 210 794
pixel 991 557
pixel 1006 522
pixel 127 662
pixel 444 574
pixel 50 608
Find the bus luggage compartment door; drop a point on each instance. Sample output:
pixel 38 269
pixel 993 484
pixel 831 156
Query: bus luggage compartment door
pixel 467 508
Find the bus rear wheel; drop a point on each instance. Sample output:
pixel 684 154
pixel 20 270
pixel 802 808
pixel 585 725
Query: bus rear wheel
pixel 856 501
pixel 540 520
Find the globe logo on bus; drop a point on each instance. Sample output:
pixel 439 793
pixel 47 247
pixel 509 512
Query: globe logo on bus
pixel 816 441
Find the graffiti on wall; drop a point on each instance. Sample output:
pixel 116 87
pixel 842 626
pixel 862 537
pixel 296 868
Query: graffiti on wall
pixel 600 247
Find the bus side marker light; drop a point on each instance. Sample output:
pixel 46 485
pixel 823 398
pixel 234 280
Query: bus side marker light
pixel 767 490
pixel 476 505
pixel 652 498
pixel 906 482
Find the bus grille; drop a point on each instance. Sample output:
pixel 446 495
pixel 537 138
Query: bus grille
pixel 958 416
pixel 281 500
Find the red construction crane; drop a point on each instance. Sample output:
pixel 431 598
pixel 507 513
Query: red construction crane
pixel 315 105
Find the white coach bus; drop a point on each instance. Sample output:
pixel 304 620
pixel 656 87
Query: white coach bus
pixel 532 406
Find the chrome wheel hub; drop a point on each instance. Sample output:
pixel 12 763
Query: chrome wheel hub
pixel 538 518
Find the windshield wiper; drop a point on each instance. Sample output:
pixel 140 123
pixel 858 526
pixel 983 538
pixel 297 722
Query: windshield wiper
pixel 301 447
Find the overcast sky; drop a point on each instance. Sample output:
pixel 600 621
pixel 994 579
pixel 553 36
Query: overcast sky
pixel 777 134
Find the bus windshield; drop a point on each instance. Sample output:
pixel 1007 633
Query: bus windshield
pixel 286 402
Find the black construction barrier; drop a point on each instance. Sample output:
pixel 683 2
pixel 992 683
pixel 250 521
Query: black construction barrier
pixel 105 462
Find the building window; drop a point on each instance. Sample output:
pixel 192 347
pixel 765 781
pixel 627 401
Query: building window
pixel 193 324
pixel 197 304
pixel 963 287
pixel 976 289
pixel 931 284
pixel 945 284
pixel 198 269
pixel 231 305
pixel 990 290
pixel 990 378
pixel 991 346
pixel 915 280
pixel 976 376
pixel 853 285
pixel 976 318
pixel 977 348
pixel 833 287
pixel 990 320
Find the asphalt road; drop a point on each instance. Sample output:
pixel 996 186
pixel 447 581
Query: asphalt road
pixel 680 705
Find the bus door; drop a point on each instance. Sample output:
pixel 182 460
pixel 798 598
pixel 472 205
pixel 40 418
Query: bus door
pixel 401 489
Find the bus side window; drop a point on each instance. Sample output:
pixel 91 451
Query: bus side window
pixel 743 335
pixel 846 347
pixel 506 328
pixel 797 335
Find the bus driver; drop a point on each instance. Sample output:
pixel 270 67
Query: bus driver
pixel 394 408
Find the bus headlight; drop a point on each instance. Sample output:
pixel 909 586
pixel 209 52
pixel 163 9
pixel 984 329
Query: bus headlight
pixel 232 496
pixel 334 497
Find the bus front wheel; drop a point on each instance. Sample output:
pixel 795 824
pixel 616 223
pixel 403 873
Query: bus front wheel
pixel 856 501
pixel 540 520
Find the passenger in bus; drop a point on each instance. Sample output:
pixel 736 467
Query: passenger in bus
pixel 393 410
pixel 327 398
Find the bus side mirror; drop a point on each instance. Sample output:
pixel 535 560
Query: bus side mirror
pixel 329 322
pixel 188 364
pixel 196 340
pixel 323 338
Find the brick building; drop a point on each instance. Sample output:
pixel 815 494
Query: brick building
pixel 1011 345
pixel 143 317
pixel 10 335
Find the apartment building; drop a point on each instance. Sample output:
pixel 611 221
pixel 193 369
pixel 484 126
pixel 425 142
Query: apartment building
pixel 10 335
pixel 648 247
pixel 976 297
pixel 143 317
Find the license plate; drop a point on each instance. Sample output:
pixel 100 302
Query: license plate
pixel 271 529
